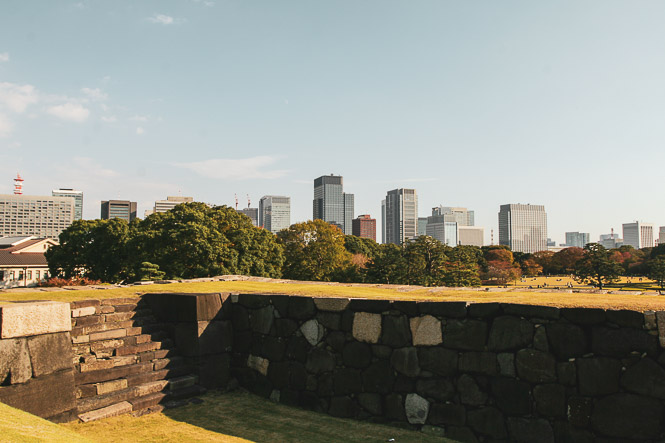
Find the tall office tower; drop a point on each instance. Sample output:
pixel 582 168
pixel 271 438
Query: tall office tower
pixel 471 235
pixel 422 226
pixel 401 215
pixel 39 216
pixel 331 204
pixel 523 227
pixel 364 226
pixel 444 231
pixel 638 235
pixel 170 203
pixel 661 235
pixel 578 239
pixel 383 221
pixel 252 213
pixel 78 200
pixel 461 216
pixel 610 241
pixel 123 209
pixel 275 213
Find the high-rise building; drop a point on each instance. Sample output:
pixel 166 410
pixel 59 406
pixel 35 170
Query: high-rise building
pixel 331 204
pixel 31 215
pixel 252 213
pixel 401 216
pixel 638 235
pixel 578 239
pixel 76 195
pixel 383 221
pixel 523 227
pixel 123 209
pixel 443 231
pixel 170 203
pixel 610 241
pixel 471 235
pixel 661 235
pixel 422 226
pixel 275 213
pixel 461 216
pixel 449 226
pixel 364 226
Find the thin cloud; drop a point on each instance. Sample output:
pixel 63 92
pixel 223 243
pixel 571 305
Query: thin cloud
pixel 70 111
pixel 236 169
pixel 92 168
pixel 17 97
pixel 95 94
pixel 163 19
pixel 109 119
pixel 139 131
pixel 139 118
pixel 4 57
pixel 6 126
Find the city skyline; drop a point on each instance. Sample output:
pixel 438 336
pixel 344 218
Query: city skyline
pixel 472 105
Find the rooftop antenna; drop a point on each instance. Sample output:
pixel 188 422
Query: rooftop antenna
pixel 249 203
pixel 236 196
pixel 18 185
pixel 492 237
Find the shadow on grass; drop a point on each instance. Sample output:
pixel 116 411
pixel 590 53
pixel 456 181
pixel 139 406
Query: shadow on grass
pixel 254 418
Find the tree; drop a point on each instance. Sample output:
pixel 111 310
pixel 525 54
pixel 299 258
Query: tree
pixel 596 267
pixel 313 250
pixel 531 268
pixel 463 266
pixel 657 270
pixel 150 271
pixel 388 266
pixel 564 261
pixel 426 261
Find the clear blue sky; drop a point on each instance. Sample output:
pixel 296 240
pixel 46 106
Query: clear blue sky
pixel 473 104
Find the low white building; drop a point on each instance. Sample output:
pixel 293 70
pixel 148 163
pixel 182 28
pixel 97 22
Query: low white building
pixel 22 261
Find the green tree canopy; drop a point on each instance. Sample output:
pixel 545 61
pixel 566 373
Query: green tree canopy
pixel 596 267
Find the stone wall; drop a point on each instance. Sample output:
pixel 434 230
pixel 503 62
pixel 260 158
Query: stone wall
pixel 473 373
pixel 36 370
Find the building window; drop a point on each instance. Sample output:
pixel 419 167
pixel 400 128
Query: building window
pixel 11 275
pixel 37 275
pixel 20 275
pixel 29 275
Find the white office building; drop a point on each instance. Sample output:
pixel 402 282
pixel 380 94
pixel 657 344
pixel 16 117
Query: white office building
pixel 32 215
pixel 638 235
pixel 275 213
pixel 78 200
pixel 401 217
pixel 523 227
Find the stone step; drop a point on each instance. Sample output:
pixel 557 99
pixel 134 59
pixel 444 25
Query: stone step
pixel 108 372
pixel 182 382
pixel 147 401
pixel 186 392
pixel 106 412
pixel 171 362
pixel 129 393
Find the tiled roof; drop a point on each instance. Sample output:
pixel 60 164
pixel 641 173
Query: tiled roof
pixel 22 245
pixel 25 259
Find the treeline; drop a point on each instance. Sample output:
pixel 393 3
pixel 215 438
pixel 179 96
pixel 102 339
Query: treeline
pixel 193 240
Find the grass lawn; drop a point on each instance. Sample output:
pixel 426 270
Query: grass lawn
pixel 512 294
pixel 17 426
pixel 238 417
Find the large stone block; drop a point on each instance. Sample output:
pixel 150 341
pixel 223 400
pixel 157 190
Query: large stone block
pixel 15 361
pixel 320 361
pixel 347 381
pixel 369 305
pixel 468 335
pixel 379 377
pixel 645 377
pixel 512 396
pixel 301 308
pixel 598 375
pixel 259 364
pixel 526 430
pixel 567 340
pixel 584 316
pixel 331 304
pixel 34 318
pixel 550 400
pixel 426 331
pixel 488 421
pixel 447 414
pixel 479 363
pixel 438 388
pixel 416 408
pixel 367 327
pixel 372 403
pixel 438 360
pixel 622 341
pixel 470 393
pixel 510 333
pixel 44 396
pixel 312 331
pixel 531 311
pixel 261 319
pixel 396 331
pixel 182 307
pixel 628 416
pixel 357 355
pixel 454 309
pixel 50 353
pixel 535 366
pixel 405 361
pixel 626 318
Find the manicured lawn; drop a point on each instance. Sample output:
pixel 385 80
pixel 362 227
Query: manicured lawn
pixel 239 416
pixel 20 427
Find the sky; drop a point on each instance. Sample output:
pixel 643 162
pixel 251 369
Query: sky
pixel 473 104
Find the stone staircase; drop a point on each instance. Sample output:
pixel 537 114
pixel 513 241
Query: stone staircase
pixel 125 361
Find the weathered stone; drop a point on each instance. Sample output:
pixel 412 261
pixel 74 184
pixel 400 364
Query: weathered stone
pixel 626 318
pixel 510 333
pixel 83 303
pixel 239 318
pixel 447 414
pixel 108 335
pixel 550 400
pixel 619 342
pixel 34 318
pixel 324 386
pixel 628 416
pixel 535 366
pixel 395 331
pixel 438 388
pixel 584 316
pixel 50 353
pixel 405 361
pixel 301 308
pixel 58 388
pixel 274 348
pixel 531 311
pixel 82 312
pixel 319 361
pixel 598 375
pixel 357 355
pixel 435 431
pixel 259 364
pixel 111 386
pixel 347 320
pixel 468 335
pixel 579 411
pixel 566 373
pixel 298 377
pixel 107 412
pixel 261 319
pixel 347 381
pixel 183 307
pixel 381 351
pixel 512 396
pixel 378 377
pixel 438 360
pixel 15 361
pixel 660 318
pixel 336 340
pixel 367 327
pixel 487 421
pixel 479 363
pixel 331 304
pixel 416 409
pixel 470 392
pixel 484 310
pixel 404 384
pixel 372 403
pixel 527 430
pixel 650 322
pixel 455 309
pixel 461 434
pixel 426 331
pixel 540 339
pixel 297 349
pixel 253 301
pixel 342 407
pixel 410 308
pixel 567 340
pixel 369 305
pixel 330 320
pixel 506 364
pixel 312 331
pixel 89 320
pixel 394 407
pixel 284 327
pixel 646 378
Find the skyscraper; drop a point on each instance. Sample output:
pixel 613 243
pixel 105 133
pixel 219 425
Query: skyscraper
pixel 275 213
pixel 123 209
pixel 638 235
pixel 364 226
pixel 523 227
pixel 331 204
pixel 578 239
pixel 461 216
pixel 40 216
pixel 78 200
pixel 401 218
pixel 170 203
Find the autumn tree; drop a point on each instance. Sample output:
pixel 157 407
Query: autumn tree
pixel 564 260
pixel 596 267
pixel 426 261
pixel 463 268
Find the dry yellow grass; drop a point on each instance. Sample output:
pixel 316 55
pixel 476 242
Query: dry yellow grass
pixel 511 294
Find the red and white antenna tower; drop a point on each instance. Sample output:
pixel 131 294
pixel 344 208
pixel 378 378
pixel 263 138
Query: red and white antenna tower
pixel 249 203
pixel 18 185
pixel 236 196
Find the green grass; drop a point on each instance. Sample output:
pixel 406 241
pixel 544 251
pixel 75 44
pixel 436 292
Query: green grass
pixel 18 427
pixel 239 416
